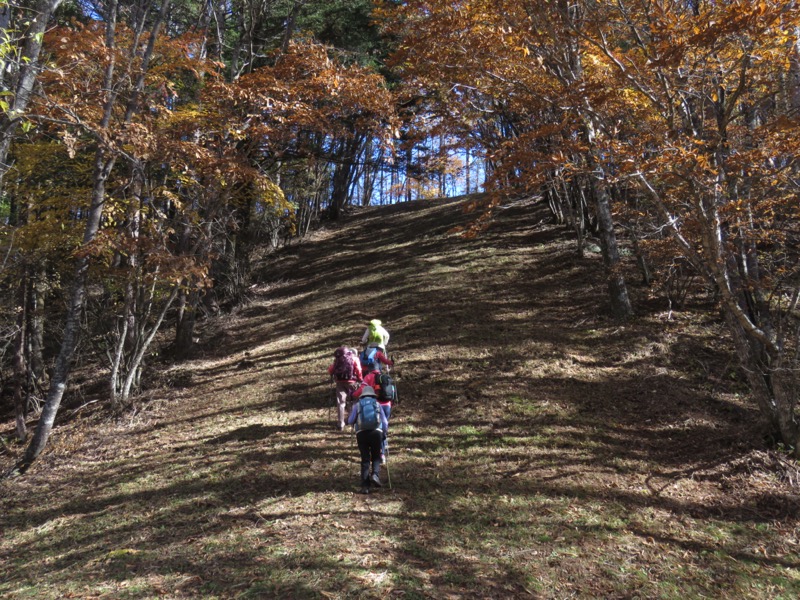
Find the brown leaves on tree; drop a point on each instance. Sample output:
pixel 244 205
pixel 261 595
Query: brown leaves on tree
pixel 684 114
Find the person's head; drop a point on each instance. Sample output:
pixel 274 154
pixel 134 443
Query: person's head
pixel 375 323
pixel 368 391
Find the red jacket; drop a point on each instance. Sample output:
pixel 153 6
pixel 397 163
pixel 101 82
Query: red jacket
pixel 370 379
pixel 380 357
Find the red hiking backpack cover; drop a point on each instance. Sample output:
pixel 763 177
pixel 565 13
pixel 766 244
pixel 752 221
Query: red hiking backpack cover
pixel 344 368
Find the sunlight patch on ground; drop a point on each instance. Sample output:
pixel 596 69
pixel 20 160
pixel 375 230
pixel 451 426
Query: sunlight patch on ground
pixel 555 459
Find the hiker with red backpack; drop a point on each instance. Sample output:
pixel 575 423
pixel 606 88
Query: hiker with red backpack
pixel 346 372
pixel 382 384
pixel 371 425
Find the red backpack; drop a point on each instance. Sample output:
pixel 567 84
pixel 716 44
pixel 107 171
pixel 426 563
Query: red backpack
pixel 344 368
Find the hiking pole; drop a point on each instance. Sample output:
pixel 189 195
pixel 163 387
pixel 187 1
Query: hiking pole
pixel 332 401
pixel 391 369
pixel 388 474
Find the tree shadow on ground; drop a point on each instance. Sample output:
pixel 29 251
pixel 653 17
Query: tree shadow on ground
pixel 535 438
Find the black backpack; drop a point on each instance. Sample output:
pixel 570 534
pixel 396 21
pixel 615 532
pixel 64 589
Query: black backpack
pixel 387 391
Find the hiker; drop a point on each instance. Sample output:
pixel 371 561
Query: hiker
pixel 346 371
pixel 383 386
pixel 381 383
pixel 371 425
pixel 372 358
pixel 375 336
pixel 354 352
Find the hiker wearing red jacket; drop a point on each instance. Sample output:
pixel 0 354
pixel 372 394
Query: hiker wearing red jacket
pixel 346 371
pixel 372 382
pixel 372 358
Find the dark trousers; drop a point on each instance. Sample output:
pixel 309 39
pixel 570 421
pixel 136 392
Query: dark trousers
pixel 369 445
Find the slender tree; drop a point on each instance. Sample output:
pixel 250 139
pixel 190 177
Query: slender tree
pixel 18 75
pixel 105 158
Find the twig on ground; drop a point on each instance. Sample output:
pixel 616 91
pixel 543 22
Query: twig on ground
pixel 82 406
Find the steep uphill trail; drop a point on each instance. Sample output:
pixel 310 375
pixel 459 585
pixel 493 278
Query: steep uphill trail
pixel 540 449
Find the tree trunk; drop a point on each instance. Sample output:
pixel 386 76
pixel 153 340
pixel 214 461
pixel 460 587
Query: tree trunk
pixel 641 259
pixel 467 167
pixel 617 290
pixel 184 333
pixel 58 382
pixel 26 78
pixel 134 369
pixel 794 75
pixel 290 26
pixel 20 365
pixel 5 41
pixel 409 160
pixel 36 302
pixel 123 327
pixel 555 203
pixel 343 173
pixel 370 172
pixel 575 212
pixel 773 387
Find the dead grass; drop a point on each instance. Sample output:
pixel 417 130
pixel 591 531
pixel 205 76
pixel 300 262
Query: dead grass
pixel 539 449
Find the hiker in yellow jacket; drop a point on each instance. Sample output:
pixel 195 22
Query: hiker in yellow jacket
pixel 375 336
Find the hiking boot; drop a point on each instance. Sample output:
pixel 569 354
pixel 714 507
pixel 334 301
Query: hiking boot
pixel 376 480
pixel 364 490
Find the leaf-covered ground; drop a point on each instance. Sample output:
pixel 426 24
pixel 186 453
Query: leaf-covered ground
pixel 539 449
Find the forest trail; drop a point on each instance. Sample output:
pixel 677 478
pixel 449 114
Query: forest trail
pixel 539 450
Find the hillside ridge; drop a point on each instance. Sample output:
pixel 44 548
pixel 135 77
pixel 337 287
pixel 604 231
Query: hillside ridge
pixel 539 449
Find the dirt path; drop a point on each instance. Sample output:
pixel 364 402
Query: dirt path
pixel 540 450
